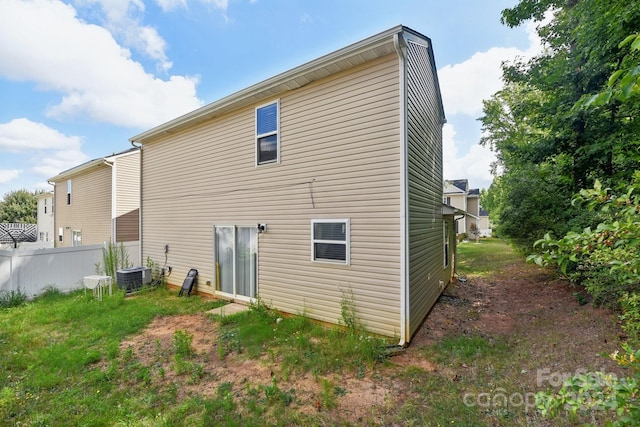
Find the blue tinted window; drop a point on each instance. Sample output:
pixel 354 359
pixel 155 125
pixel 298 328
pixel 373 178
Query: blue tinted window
pixel 267 119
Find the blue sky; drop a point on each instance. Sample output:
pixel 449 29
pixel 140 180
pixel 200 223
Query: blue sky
pixel 80 77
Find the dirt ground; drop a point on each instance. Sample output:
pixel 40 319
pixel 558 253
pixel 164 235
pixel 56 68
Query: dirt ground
pixel 563 336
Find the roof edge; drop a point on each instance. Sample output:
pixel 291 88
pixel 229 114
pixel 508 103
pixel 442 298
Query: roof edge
pixel 273 82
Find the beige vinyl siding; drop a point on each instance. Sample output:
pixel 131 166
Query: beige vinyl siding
pixel 90 208
pixel 340 159
pixel 127 178
pixel 127 229
pixel 424 133
pixel 473 206
pixel 127 197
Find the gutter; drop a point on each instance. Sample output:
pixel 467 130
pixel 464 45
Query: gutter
pixel 400 47
pixel 113 200
pixel 138 146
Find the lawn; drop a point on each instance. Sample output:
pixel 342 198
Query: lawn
pixel 485 257
pixel 157 360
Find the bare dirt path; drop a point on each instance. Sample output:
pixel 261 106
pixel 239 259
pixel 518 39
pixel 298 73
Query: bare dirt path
pixel 561 335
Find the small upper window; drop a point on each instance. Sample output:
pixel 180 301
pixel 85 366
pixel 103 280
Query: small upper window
pixel 330 241
pixel 267 135
pixel 69 192
pixel 445 235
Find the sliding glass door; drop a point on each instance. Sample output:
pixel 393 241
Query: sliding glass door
pixel 236 260
pixel 246 262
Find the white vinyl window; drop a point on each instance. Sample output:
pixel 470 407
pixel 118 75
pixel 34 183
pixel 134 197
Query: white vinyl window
pixel 76 237
pixel 267 133
pixel 330 240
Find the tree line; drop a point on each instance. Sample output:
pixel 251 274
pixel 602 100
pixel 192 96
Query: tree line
pixel 566 132
pixel 19 206
pixel 565 118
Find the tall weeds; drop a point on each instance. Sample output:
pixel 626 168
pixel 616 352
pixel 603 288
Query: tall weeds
pixel 114 257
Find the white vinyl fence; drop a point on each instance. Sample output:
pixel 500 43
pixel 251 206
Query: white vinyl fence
pixel 32 271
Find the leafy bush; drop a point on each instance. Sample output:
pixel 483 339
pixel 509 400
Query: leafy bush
pixel 599 391
pixel 605 260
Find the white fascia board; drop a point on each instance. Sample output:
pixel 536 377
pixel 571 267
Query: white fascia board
pixel 368 49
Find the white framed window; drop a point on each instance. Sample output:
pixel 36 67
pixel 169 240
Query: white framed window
pixel 330 240
pixel 76 237
pixel 268 133
pixel 60 234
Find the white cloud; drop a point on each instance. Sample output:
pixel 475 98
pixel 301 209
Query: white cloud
pixel 464 86
pixel 169 5
pixel 23 135
pixel 48 151
pixel 474 165
pixel 123 19
pixel 44 41
pixel 218 4
pixel 8 175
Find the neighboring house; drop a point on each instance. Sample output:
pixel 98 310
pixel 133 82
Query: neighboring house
pixel 46 224
pixel 484 224
pixel 98 201
pixel 317 187
pixel 457 193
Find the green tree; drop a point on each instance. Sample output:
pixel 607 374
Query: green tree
pixel 548 146
pixel 19 206
pixel 606 261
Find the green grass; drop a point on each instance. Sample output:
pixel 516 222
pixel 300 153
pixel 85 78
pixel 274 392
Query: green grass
pixel 294 340
pixel 53 348
pixel 486 257
pixel 61 364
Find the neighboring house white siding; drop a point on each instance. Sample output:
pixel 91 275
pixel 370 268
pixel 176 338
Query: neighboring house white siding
pixel 457 193
pixel 46 234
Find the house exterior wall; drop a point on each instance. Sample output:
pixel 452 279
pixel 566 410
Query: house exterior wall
pixel 459 201
pixel 126 212
pixel 427 272
pixel 340 159
pixel 46 235
pixel 90 208
pixel 473 205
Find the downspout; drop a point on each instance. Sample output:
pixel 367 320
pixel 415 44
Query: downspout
pixel 400 45
pixel 113 201
pixel 139 147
